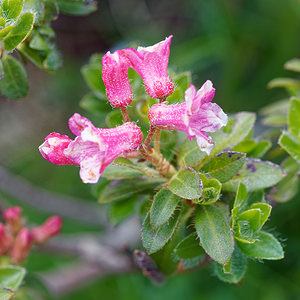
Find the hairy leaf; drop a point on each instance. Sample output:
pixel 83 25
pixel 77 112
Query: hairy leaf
pixel 155 238
pixel 214 232
pixel 163 207
pixel 255 174
pixel 224 165
pixel 189 247
pixel 186 184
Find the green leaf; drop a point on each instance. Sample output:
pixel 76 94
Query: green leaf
pixel 293 65
pixel 214 232
pixel 292 85
pixel 291 144
pixel 51 11
pixel 5 31
pixel 189 154
pixel 294 117
pixel 117 172
pixel 95 105
pixel 155 238
pixel 265 211
pixel 11 9
pixel 288 187
pixel 114 118
pixel 163 207
pixel 267 247
pixel 242 127
pixel 37 42
pixel 261 148
pixel 255 174
pixel 189 247
pixel 77 7
pixel 37 7
pixel 224 165
pixel 11 278
pixel 252 217
pixel 93 77
pixel 238 266
pixel 186 184
pixel 241 196
pixel 211 191
pixel 21 30
pixel 119 211
pixel 123 189
pixel 14 84
pixel 138 166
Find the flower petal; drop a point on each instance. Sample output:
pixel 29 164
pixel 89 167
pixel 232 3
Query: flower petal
pixel 77 124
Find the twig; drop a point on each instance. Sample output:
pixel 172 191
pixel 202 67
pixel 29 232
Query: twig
pixel 38 198
pixel 125 114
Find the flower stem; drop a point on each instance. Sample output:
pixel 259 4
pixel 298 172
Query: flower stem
pixel 149 136
pixel 158 161
pixel 157 140
pixel 125 114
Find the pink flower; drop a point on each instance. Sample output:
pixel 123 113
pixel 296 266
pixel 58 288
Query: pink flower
pixel 22 246
pixel 51 227
pixel 6 240
pixel 152 64
pixel 94 148
pixel 195 116
pixel 53 148
pixel 115 78
pixel 13 218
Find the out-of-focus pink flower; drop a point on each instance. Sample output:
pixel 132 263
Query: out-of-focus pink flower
pixel 53 148
pixel 115 78
pixel 152 64
pixel 6 240
pixel 13 218
pixel 51 227
pixel 95 148
pixel 195 116
pixel 22 246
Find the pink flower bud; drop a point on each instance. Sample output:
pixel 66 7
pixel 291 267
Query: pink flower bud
pixel 13 218
pixel 22 246
pixel 195 116
pixel 95 148
pixel 51 227
pixel 152 65
pixel 115 78
pixel 53 148
pixel 6 240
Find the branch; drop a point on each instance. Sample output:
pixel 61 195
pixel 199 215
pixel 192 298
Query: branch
pixel 70 207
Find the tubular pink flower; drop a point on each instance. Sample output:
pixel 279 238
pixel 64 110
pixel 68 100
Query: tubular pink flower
pixel 6 240
pixel 95 148
pixel 195 116
pixel 50 228
pixel 53 148
pixel 13 218
pixel 22 246
pixel 152 64
pixel 115 78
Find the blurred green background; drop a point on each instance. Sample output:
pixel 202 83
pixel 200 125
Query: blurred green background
pixel 238 44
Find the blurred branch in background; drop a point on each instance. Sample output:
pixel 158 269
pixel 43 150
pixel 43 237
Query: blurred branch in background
pixel 73 208
pixel 111 253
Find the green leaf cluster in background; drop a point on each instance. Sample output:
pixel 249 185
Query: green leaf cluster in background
pixel 25 26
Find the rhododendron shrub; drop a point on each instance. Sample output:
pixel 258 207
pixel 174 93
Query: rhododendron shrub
pixel 194 173
pixel 185 162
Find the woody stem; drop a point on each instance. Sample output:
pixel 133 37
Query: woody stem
pixel 125 114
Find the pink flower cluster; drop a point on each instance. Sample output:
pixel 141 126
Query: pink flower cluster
pixel 94 149
pixel 17 240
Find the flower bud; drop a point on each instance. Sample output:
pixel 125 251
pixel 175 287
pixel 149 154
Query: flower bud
pixel 50 228
pixel 13 218
pixel 115 78
pixel 22 246
pixel 6 240
pixel 152 65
